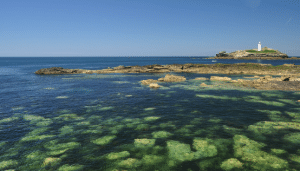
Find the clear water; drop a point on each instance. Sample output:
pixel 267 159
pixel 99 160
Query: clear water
pixel 112 122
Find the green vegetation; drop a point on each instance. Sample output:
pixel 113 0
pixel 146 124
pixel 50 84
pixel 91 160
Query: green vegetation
pixel 265 51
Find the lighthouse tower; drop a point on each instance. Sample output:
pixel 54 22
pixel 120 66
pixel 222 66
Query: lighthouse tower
pixel 259 47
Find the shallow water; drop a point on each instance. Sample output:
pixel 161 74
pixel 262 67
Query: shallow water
pixel 112 122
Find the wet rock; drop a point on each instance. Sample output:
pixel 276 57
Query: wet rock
pixel 149 81
pixel 201 78
pixel 217 78
pixel 58 70
pixel 154 85
pixel 288 81
pixel 289 65
pixel 172 78
pixel 119 67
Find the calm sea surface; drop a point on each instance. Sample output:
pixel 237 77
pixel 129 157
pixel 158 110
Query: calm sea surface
pixel 112 122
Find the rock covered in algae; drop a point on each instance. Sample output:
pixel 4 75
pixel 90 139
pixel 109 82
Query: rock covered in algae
pixel 179 152
pixel 278 151
pixel 68 117
pixel 161 134
pixel 8 119
pixel 152 159
pixel 114 156
pixel 249 151
pixel 151 118
pixel 230 164
pixel 142 127
pixel 104 140
pixel 144 143
pixel 292 138
pixel 66 130
pixel 204 149
pixel 269 127
pixel 57 149
pixel 51 161
pixel 67 167
pixel 129 163
pixel 8 163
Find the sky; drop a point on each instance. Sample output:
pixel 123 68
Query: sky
pixel 58 28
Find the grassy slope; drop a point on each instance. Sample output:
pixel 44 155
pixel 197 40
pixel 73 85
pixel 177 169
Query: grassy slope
pixel 265 51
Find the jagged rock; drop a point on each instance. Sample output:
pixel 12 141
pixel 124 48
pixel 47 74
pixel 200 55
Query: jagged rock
pixel 217 78
pixel 172 78
pixel 154 85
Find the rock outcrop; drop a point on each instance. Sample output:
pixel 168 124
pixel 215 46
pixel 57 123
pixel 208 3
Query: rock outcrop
pixel 58 70
pixel 168 78
pixel 201 78
pixel 289 83
pixel 217 78
pixel 172 78
pixel 149 81
pixel 240 68
pixel 154 85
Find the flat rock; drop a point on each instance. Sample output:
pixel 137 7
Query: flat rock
pixel 149 81
pixel 201 78
pixel 172 78
pixel 217 78
pixel 154 85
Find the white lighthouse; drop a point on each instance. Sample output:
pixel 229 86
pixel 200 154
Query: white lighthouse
pixel 259 47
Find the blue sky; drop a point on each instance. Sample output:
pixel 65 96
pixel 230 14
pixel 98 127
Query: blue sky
pixel 146 27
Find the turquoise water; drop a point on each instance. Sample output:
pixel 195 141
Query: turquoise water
pixel 112 122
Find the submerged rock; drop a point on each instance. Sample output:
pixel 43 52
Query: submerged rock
pixel 231 163
pixel 249 151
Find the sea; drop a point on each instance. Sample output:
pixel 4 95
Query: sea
pixel 111 122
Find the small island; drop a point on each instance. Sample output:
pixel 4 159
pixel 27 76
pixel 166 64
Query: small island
pixel 263 53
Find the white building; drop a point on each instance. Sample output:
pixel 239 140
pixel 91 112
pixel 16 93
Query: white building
pixel 259 47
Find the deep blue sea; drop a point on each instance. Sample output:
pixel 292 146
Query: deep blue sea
pixel 112 122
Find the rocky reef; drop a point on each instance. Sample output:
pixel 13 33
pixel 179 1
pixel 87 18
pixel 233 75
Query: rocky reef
pixel 239 68
pixel 289 74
